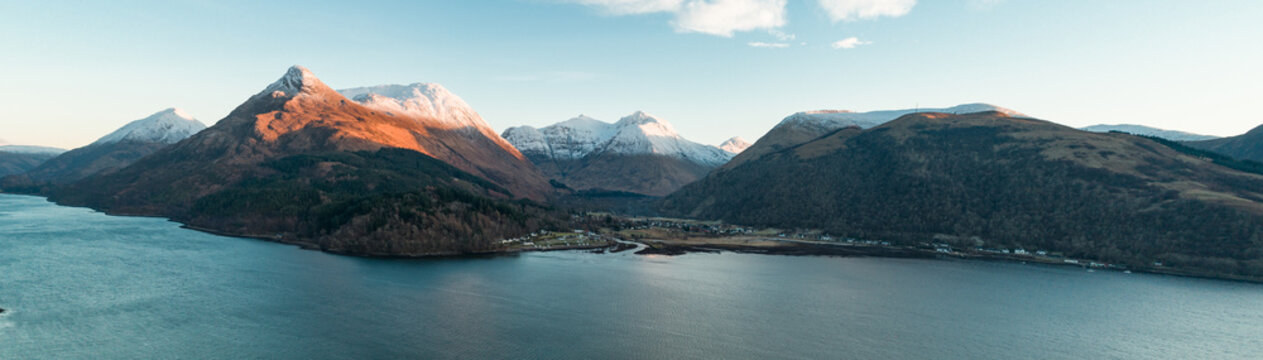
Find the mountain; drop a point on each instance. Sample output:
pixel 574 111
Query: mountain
pixel 734 145
pixel 1148 131
pixel 12 163
pixel 998 181
pixel 453 132
pixel 31 149
pixel 807 125
pixel 1248 146
pixel 118 149
pixel 640 153
pixel 17 159
pixel 301 163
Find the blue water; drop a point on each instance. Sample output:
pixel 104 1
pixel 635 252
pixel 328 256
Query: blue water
pixel 80 284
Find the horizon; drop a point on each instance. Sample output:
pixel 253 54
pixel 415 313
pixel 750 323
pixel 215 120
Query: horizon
pixel 1168 65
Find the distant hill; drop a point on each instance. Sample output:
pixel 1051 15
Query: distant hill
pixel 1248 146
pixel 301 163
pixel 16 163
pixel 640 153
pixel 30 149
pixel 1149 131
pixel 989 179
pixel 805 126
pixel 118 149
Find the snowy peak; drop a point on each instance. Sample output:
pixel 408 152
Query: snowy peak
pixel 734 145
pixel 167 126
pixel 1149 131
pixel 647 124
pixel 638 133
pixel 297 80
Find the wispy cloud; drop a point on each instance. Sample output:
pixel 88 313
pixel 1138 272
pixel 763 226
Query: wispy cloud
pixel 781 35
pixel 760 44
pixel 851 10
pixel 714 17
pixel 849 43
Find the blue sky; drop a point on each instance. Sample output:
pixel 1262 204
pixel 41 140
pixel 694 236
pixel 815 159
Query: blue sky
pixel 74 71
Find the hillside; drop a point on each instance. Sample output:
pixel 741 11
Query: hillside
pixel 300 163
pixel 1248 146
pixel 988 179
pixel 805 126
pixel 12 163
pixel 640 153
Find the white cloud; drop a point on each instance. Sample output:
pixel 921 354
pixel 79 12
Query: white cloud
pixel 760 44
pixel 849 43
pixel 723 17
pixel 714 17
pixel 850 10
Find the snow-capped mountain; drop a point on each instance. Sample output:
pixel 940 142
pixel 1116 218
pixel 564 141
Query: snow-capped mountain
pixel 635 134
pixel 167 127
pixel 805 126
pixel 640 153
pixel 1172 135
pixel 299 113
pixel 735 145
pixel 120 148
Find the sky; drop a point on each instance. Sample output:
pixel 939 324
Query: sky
pixel 73 71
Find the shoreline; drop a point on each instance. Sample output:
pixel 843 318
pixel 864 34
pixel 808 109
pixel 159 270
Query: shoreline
pixel 664 247
pixel 798 248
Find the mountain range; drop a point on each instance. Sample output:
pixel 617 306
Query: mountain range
pixel 640 153
pixel 992 179
pixel 301 163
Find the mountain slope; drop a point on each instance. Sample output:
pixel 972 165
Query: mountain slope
pixel 300 163
pixel 455 133
pixel 1248 146
pixel 1148 131
pixel 1004 182
pixel 805 126
pixel 120 148
pixel 13 163
pixel 640 153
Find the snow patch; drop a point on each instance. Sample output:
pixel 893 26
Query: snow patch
pixel 420 100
